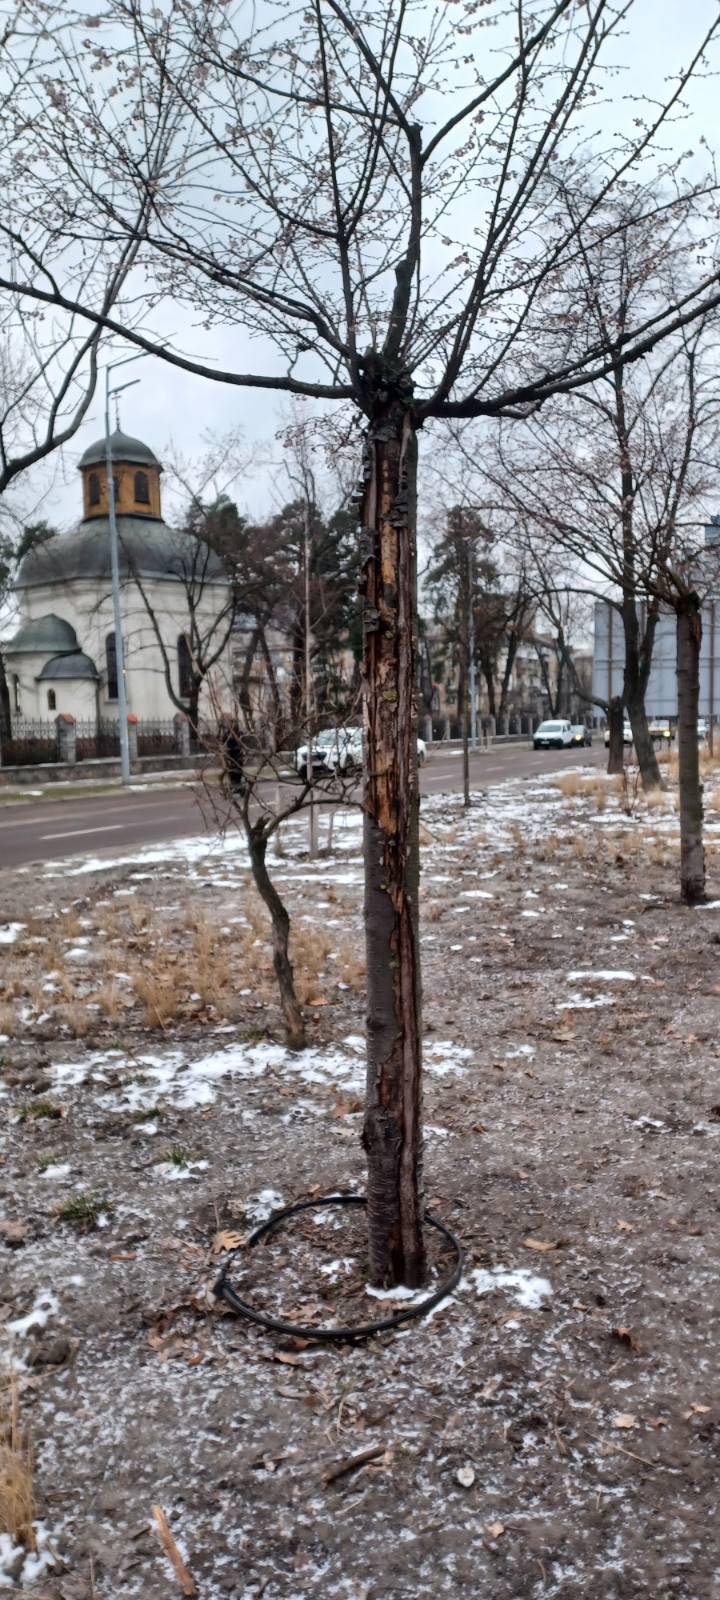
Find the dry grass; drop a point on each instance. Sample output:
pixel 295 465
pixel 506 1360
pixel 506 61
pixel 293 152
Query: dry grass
pixel 75 1018
pixel 109 1001
pixel 158 994
pixel 8 1020
pixel 156 966
pixel 573 786
pixel 17 1504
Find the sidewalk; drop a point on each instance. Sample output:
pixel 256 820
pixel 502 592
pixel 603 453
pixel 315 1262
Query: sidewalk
pixel 11 793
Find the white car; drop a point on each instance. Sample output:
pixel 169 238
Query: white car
pixel 627 735
pixel 347 754
pixel 328 751
pixel 553 736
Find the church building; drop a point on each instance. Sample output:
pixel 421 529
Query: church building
pixel 174 592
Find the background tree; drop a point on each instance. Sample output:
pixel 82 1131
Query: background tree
pixel 256 793
pixel 614 474
pixel 313 190
pixel 7 571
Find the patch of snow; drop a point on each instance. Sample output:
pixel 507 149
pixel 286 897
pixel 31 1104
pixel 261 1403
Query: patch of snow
pixel 443 1057
pixel 580 1002
pixel 601 976
pixel 174 1172
pixel 332 1269
pixel 261 1206
pixel 60 1170
pixel 400 1293
pixel 44 1308
pixel 523 1286
pixel 30 1565
pixel 10 930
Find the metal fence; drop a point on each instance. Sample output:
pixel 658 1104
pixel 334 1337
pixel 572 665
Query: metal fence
pixel 157 739
pixel 35 743
pixel 95 741
pixel 31 743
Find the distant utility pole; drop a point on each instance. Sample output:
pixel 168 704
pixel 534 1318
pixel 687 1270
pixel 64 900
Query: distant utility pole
pixel 312 809
pixel 115 569
pixel 471 647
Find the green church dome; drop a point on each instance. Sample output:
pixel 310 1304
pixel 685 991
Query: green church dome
pixel 147 548
pixel 123 448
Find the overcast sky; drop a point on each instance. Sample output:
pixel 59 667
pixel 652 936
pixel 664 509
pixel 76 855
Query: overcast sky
pixel 169 408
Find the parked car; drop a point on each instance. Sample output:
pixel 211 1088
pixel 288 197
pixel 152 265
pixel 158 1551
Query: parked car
pixel 553 736
pixel 347 754
pixel 328 750
pixel 660 730
pixel 581 733
pixel 703 729
pixel 339 750
pixel 627 735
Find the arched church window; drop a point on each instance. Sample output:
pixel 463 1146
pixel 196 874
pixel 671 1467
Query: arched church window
pixel 142 489
pixel 111 667
pixel 52 702
pixel 184 668
pixel 94 489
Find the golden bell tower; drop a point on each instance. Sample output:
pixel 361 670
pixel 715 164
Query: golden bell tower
pixel 137 479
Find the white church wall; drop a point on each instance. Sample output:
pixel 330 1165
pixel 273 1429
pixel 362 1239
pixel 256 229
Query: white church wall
pixel 87 606
pixel 76 699
pixel 25 696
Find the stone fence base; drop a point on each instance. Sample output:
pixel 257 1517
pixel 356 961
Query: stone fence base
pixel 47 772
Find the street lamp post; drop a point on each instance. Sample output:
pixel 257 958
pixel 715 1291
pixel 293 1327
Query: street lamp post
pixel 471 653
pixel 115 570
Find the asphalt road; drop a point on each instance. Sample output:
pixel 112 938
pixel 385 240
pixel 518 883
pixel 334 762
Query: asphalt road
pixel 47 830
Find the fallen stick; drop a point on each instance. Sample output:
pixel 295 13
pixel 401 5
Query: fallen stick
pixel 184 1578
pixel 351 1463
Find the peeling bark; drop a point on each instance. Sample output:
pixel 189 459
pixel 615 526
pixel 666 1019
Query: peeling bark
pixel 392 1134
pixel 692 853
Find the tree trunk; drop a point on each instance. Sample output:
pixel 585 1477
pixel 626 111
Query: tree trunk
pixel 193 712
pixel 5 707
pixel 392 1133
pixel 244 695
pixel 291 1009
pixel 644 748
pixel 464 708
pixel 488 673
pixel 692 854
pixel 615 724
pixel 275 700
pixel 636 672
pixel 512 645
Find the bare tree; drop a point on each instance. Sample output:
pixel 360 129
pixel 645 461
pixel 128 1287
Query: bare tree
pixel 615 475
pixel 394 265
pixel 258 793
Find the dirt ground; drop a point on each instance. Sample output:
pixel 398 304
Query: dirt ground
pixel 551 1431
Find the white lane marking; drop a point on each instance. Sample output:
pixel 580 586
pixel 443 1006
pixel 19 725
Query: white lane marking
pixel 76 816
pixel 80 833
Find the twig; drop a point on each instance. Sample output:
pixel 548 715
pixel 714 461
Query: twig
pixel 351 1463
pixel 184 1578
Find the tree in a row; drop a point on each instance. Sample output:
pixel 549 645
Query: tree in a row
pixel 376 196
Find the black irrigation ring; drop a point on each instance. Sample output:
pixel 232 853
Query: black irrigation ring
pixel 224 1289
